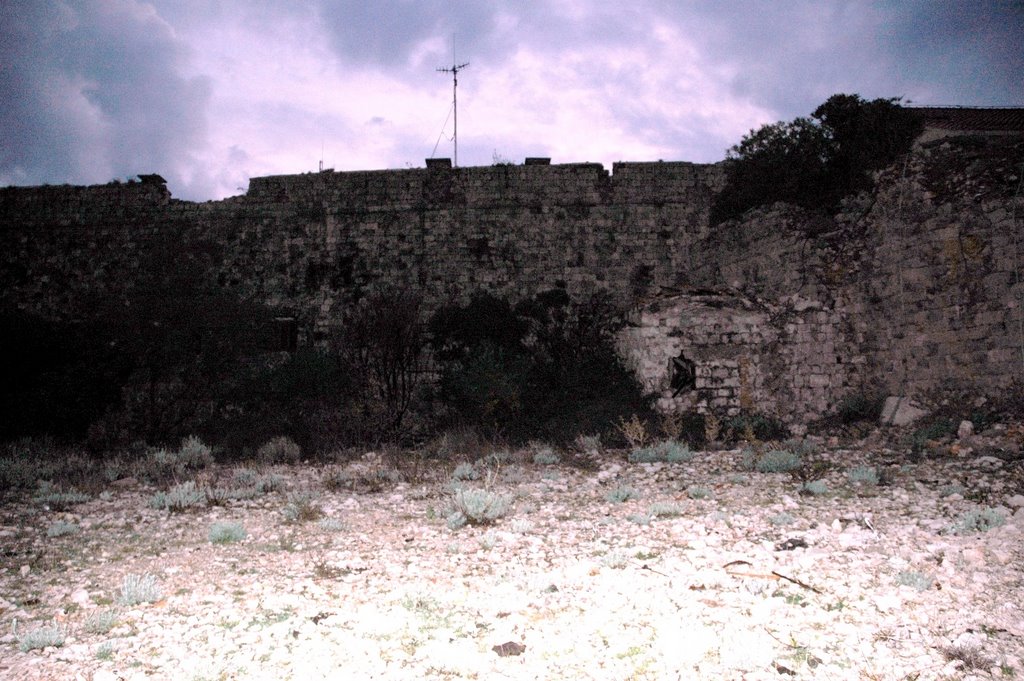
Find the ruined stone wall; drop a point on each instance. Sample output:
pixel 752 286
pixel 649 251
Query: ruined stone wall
pixel 747 356
pixel 914 285
pixel 926 274
pixel 310 243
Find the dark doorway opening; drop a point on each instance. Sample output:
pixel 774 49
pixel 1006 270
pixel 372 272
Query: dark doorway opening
pixel 684 375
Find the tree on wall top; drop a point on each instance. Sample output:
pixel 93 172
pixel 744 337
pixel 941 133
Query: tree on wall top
pixel 815 162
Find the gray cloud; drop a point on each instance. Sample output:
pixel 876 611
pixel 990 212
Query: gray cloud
pixel 93 91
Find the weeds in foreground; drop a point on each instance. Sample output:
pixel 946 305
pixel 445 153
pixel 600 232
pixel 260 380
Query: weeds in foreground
pixel 178 498
pixel 977 520
pixel 43 636
pixel 772 461
pixel 226 533
pixel 476 507
pixel 621 494
pixel 279 450
pixel 669 451
pixel 863 475
pixel 61 528
pixel 99 622
pixel 137 589
pixel 302 507
pixel 56 499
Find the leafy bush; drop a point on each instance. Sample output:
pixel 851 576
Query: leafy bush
pixel 917 580
pixel 61 528
pixel 478 506
pixel 777 461
pixel 621 494
pixel 698 492
pixel 136 589
pixel 544 369
pixel 545 456
pixel 178 498
pixel 858 407
pixel 302 507
pixel 663 510
pixel 465 471
pixel 226 533
pixel 161 466
pixel 864 475
pixel 41 637
pixel 669 451
pixel 57 499
pixel 932 429
pixel 759 427
pixel 977 520
pixel 815 162
pixel 56 378
pixel 281 449
pixel 99 622
pixel 815 487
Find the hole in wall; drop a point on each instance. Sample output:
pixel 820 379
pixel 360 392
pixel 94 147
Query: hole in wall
pixel 684 375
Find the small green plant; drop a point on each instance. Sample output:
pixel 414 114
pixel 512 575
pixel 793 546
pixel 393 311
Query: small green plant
pixel 331 524
pixel 668 451
pixel 698 492
pixel 545 456
pixel 621 494
pixel 616 560
pixel 863 475
pixel 977 520
pixel 859 407
pixel 279 450
pixel 160 466
pixel 465 471
pixel 226 533
pixel 60 528
pixel 588 443
pixel 777 461
pixel 56 499
pixel 917 580
pixel 244 477
pixel 99 622
pixel 782 519
pixel 43 636
pixel 815 488
pixel 662 510
pixel 269 482
pixel 302 507
pixel 642 519
pixel 489 540
pixel 478 506
pixel 18 471
pixel 105 651
pixel 178 498
pixel 951 489
pixel 193 455
pixel 136 589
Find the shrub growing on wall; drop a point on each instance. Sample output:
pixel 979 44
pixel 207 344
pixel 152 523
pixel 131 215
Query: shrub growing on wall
pixel 55 377
pixel 815 162
pixel 180 342
pixel 544 368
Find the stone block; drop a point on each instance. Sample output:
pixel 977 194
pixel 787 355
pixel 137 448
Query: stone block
pixel 900 411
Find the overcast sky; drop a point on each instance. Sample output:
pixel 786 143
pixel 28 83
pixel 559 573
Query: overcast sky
pixel 210 93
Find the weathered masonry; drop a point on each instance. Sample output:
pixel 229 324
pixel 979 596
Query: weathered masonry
pixel 911 288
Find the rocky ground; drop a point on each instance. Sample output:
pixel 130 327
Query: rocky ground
pixel 600 568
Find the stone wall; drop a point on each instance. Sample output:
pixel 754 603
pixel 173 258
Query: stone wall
pixel 910 287
pixel 746 356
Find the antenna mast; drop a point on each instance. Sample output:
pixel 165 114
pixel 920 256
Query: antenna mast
pixel 454 70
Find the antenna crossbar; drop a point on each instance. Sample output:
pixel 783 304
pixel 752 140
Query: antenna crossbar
pixel 454 70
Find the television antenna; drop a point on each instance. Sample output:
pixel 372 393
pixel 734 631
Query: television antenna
pixel 454 70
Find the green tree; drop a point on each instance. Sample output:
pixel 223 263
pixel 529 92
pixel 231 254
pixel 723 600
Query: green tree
pixel 815 162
